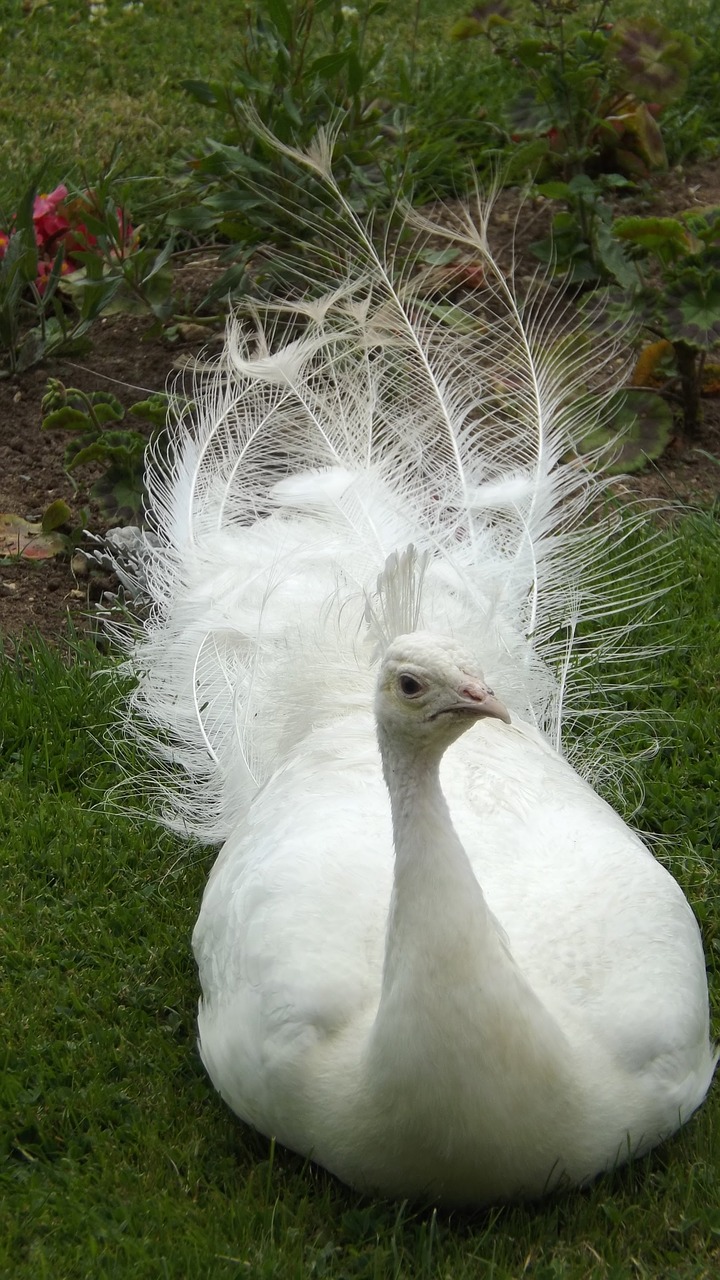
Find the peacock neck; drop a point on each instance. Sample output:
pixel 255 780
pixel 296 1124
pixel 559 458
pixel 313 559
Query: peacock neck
pixel 439 927
pixel 461 1045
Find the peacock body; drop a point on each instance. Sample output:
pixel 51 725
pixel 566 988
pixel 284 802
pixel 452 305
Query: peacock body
pixel 435 961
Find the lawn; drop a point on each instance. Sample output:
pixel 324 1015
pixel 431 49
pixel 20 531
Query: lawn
pixel 79 80
pixel 118 1158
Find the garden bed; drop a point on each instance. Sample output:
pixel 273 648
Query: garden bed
pixel 127 359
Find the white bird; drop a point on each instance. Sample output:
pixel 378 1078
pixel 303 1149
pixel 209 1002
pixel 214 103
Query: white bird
pixel 432 958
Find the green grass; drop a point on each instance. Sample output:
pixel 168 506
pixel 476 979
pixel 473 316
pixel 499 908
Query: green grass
pixel 120 1161
pixel 74 88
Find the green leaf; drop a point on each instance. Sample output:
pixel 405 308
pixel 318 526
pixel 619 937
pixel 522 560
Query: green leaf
pixel 78 452
pixel 355 73
pixel 72 412
pixel 703 223
pixel 201 91
pixel 33 349
pixel 526 158
pixel 160 260
pixel 104 398
pixel 68 419
pixel 246 84
pixel 120 492
pixel 637 428
pixel 554 190
pixel 280 14
pixel 689 311
pixel 155 409
pixel 233 284
pixel 655 62
pixel 665 237
pixel 193 218
pixel 466 29
pixel 91 295
pixel 583 187
pixel 107 412
pixel 614 258
pixel 532 53
pixel 438 257
pixel 326 66
pixel 56 514
pixel 124 448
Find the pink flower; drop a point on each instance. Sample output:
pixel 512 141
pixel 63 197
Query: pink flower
pixel 43 204
pixel 49 221
pixel 58 222
pixel 44 267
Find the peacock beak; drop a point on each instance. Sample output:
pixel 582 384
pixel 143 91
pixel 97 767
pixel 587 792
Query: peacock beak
pixel 476 699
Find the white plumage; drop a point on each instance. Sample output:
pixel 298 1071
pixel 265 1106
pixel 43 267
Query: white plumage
pixel 466 981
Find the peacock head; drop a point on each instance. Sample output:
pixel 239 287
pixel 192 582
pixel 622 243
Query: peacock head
pixel 430 690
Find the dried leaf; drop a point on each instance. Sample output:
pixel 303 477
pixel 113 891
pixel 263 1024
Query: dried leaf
pixel 19 537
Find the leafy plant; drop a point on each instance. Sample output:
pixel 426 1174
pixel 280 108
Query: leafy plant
pixel 674 291
pixel 32 262
pixel 594 87
pixel 594 91
pixel 581 243
pixel 65 260
pixel 303 64
pixel 636 429
pixel 95 419
pixel 115 271
pixel 679 300
pixel 49 227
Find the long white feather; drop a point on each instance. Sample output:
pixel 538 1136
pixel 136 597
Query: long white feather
pixel 282 517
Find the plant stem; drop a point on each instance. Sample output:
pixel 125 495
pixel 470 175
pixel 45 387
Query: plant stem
pixel 686 359
pixel 89 408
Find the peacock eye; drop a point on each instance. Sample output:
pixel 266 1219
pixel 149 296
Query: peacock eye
pixel 409 686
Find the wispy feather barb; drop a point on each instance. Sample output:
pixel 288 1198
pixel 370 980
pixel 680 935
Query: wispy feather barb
pixel 390 416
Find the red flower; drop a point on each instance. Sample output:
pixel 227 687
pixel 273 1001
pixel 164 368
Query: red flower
pixel 4 242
